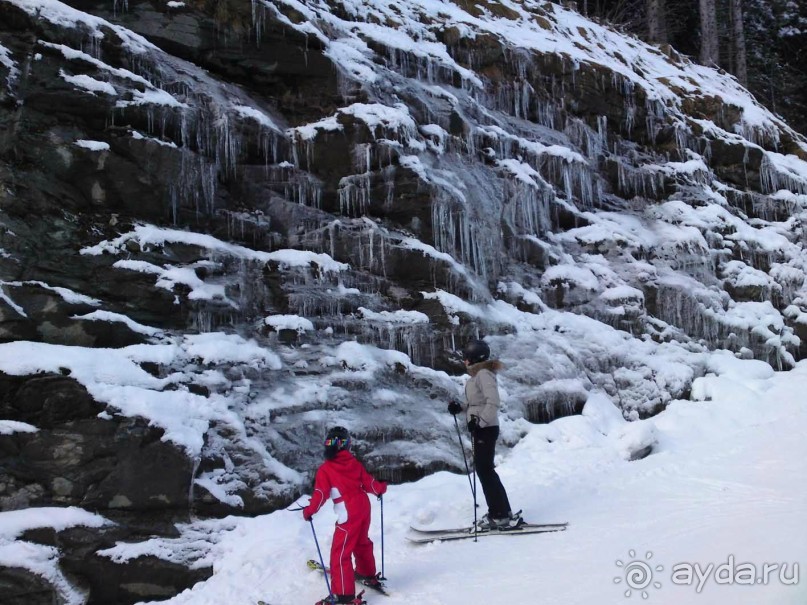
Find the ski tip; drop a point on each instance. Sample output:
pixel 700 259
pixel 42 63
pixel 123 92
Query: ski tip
pixel 315 565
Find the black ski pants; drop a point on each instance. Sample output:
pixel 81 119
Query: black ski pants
pixel 484 450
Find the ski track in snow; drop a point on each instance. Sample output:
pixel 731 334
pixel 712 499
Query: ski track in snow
pixel 726 478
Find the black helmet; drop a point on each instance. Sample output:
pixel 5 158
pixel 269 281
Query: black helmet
pixel 476 351
pixel 337 439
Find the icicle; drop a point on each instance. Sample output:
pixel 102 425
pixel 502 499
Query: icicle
pixel 602 128
pixel 354 194
pixel 656 113
pixel 642 182
pixel 303 189
pixel 772 180
pixel 678 307
pixel 545 113
pixel 196 461
pixel 119 4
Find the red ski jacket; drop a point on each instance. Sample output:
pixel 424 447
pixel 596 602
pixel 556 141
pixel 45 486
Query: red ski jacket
pixel 346 481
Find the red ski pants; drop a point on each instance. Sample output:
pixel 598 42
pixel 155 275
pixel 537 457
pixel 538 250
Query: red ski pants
pixel 350 539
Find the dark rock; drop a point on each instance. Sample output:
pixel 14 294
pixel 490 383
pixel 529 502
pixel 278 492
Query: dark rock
pixel 80 460
pixel 22 587
pixel 45 401
pixel 140 579
pixel 147 474
pixel 642 453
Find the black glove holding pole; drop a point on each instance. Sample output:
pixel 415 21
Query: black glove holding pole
pixel 454 408
pixel 473 424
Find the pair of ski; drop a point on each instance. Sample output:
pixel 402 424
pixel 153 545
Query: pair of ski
pixel 316 566
pixel 424 536
pixel 379 588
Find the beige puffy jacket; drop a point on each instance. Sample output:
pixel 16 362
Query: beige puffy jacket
pixel 482 393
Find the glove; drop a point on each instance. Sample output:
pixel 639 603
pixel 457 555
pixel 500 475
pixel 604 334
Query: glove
pixel 307 515
pixel 454 408
pixel 381 489
pixel 473 424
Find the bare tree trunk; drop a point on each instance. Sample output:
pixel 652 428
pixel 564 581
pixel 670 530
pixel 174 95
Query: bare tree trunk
pixel 710 52
pixel 738 39
pixel 656 21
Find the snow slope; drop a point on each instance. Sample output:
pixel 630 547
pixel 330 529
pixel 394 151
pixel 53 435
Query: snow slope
pixel 725 479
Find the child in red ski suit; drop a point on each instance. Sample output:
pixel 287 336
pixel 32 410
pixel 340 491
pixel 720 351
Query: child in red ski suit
pixel 344 479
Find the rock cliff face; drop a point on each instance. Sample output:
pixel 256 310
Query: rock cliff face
pixel 225 225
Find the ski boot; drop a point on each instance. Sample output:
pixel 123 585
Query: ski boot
pixel 347 599
pixel 514 521
pixel 485 524
pixel 488 523
pixel 375 582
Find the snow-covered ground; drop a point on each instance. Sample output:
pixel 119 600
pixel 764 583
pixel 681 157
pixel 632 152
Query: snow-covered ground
pixel 724 485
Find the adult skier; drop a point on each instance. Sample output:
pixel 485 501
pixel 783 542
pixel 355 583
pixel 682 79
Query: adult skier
pixel 482 415
pixel 344 479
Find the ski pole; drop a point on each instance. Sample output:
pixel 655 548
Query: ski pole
pixel 321 560
pixel 381 499
pixel 473 451
pixel 465 459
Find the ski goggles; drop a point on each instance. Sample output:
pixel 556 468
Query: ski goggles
pixel 337 441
